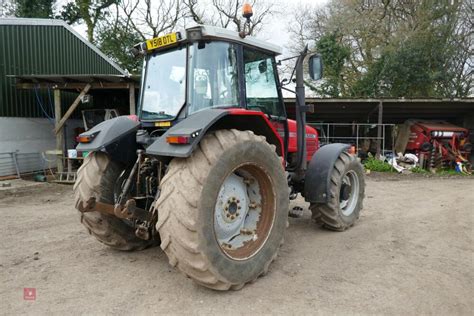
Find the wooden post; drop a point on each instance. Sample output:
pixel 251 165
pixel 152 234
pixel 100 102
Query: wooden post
pixel 379 129
pixel 59 136
pixel 133 110
pixel 71 109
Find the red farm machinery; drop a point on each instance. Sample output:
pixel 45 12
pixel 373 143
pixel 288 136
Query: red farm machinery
pixel 438 144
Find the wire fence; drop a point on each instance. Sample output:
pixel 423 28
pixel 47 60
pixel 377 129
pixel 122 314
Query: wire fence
pixel 356 133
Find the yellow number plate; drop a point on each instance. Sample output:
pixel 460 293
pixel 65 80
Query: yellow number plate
pixel 163 124
pixel 161 41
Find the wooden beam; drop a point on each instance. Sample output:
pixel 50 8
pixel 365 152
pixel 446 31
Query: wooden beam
pixel 59 136
pixel 73 85
pixel 71 109
pixel 133 110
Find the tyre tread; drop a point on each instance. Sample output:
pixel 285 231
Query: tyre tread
pixel 96 178
pixel 179 237
pixel 328 214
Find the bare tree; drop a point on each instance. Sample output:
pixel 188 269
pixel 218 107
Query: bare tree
pixel 462 56
pixel 151 18
pixel 227 13
pixel 198 14
pixel 307 25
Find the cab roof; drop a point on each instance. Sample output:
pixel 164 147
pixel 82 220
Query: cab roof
pixel 213 32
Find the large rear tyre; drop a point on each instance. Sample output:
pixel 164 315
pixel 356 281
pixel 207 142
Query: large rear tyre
pixel 223 211
pixel 96 178
pixel 346 195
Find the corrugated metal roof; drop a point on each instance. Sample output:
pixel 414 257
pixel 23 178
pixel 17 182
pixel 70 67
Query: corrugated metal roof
pixel 43 47
pixel 50 22
pixel 394 110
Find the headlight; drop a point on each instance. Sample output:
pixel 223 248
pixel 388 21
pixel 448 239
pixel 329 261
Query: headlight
pixel 194 34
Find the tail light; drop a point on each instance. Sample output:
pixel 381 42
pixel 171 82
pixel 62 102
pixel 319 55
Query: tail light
pixel 178 140
pixel 86 138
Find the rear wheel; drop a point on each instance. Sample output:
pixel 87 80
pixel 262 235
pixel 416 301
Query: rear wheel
pixel 347 188
pixel 97 178
pixel 223 211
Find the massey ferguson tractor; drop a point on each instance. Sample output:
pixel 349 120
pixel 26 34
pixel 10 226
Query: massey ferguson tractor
pixel 208 168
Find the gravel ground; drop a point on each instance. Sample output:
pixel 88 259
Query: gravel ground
pixel 411 253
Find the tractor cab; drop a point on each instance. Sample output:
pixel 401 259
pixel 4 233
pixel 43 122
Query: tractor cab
pixel 207 67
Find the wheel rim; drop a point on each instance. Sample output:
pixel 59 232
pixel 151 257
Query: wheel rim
pixel 244 212
pixel 349 193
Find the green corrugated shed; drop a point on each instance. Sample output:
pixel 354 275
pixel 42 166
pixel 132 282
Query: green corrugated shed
pixel 43 47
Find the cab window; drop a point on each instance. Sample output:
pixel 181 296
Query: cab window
pixel 212 76
pixel 261 84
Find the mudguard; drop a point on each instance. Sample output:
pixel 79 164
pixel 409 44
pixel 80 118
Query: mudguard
pixel 116 136
pixel 318 174
pixel 195 126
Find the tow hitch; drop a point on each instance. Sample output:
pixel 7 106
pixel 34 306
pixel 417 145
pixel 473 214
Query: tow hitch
pixel 129 211
pixel 126 205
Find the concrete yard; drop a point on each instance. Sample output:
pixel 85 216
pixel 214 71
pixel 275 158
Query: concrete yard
pixel 411 253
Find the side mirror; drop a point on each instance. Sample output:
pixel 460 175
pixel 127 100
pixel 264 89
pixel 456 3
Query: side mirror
pixel 315 67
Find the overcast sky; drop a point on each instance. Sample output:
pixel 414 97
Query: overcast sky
pixel 274 30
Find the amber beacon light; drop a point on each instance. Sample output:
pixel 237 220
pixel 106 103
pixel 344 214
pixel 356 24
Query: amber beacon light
pixel 247 11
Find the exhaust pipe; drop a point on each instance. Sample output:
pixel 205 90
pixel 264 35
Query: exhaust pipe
pixel 301 109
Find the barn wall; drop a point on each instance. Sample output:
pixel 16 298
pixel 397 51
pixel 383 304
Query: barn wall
pixel 28 137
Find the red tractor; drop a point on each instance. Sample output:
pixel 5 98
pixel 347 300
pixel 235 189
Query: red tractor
pixel 209 168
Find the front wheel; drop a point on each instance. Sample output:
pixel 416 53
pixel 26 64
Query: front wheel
pixel 347 188
pixel 223 211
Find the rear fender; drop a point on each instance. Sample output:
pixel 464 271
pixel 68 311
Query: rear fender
pixel 198 124
pixel 116 137
pixel 318 174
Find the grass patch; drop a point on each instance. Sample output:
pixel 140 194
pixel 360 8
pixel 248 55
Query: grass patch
pixel 450 172
pixel 439 172
pixel 419 170
pixel 377 165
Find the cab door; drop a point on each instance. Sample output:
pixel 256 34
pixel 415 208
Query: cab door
pixel 262 91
